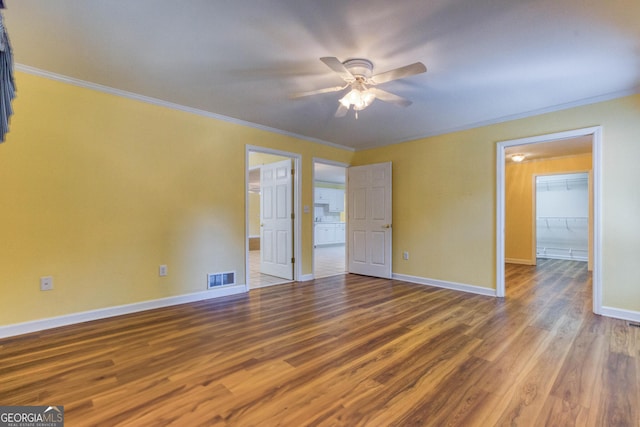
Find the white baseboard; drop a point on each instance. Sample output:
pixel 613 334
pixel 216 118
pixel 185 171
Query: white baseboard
pixel 102 313
pixel 306 277
pixel 619 313
pixel 447 285
pixel 87 316
pixel 519 261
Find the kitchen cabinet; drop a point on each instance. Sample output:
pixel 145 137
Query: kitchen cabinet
pixel 336 201
pixel 330 196
pixel 325 234
pixel 322 196
pixel 329 233
pixel 340 233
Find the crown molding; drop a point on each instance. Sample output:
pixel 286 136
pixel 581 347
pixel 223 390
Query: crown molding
pixel 159 102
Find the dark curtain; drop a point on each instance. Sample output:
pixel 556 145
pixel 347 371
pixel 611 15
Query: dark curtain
pixel 7 84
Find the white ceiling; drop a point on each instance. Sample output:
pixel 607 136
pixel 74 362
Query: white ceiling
pixel 329 173
pixel 488 61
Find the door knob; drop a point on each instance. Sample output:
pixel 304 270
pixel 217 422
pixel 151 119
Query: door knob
pixel 386 226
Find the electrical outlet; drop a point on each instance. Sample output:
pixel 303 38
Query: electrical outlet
pixel 405 255
pixel 46 283
pixel 162 271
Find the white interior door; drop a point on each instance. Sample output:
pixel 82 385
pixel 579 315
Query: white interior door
pixel 369 219
pixel 276 236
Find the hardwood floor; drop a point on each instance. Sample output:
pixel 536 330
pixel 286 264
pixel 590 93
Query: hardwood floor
pixel 344 351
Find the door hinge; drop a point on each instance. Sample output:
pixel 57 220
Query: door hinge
pixel 293 260
pixel 293 215
pixel 293 171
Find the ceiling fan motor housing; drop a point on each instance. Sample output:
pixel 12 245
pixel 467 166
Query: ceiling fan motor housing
pixel 359 67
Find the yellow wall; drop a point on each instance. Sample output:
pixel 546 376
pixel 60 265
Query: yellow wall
pixel 519 182
pixel 443 207
pixel 99 190
pixel 260 158
pixel 444 197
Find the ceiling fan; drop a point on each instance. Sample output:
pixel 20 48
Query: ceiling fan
pixel 358 76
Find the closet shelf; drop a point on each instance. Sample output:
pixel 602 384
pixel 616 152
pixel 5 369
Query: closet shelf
pixel 565 220
pixel 562 184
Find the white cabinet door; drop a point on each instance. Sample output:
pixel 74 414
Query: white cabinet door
pixel 340 233
pixel 325 234
pixel 336 201
pixel 320 235
pixel 322 196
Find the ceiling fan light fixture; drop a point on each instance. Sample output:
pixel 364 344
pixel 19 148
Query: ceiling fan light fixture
pixel 357 73
pixel 360 99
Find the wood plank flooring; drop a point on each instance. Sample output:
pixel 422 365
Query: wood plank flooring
pixel 344 351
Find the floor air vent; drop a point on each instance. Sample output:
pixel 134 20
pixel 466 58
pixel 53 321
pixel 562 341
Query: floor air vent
pixel 221 279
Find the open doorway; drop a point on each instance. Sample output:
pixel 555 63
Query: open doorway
pixel 519 215
pixel 271 217
pixel 329 214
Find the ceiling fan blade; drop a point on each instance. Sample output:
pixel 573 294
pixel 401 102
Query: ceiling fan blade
pixel 385 96
pixel 337 66
pixel 399 73
pixel 341 111
pixel 318 91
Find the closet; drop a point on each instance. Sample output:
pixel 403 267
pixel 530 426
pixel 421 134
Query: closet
pixel 562 216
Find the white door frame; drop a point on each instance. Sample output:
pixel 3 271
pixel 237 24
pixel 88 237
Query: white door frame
pixel 313 229
pixel 596 134
pixel 297 162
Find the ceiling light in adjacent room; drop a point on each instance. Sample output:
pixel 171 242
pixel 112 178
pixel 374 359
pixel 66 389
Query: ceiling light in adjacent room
pixel 518 157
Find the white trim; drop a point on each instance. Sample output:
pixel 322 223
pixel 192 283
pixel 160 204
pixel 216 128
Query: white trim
pixel 159 102
pixel 297 207
pixel 307 277
pixel 329 162
pixel 596 133
pixel 619 313
pixel 118 92
pixel 103 313
pixel 500 214
pixel 524 115
pixel 597 220
pixel 446 285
